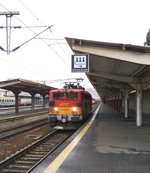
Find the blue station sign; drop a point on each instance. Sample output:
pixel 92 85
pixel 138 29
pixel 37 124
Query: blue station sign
pixel 80 63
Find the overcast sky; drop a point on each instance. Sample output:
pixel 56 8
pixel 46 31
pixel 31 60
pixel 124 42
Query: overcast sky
pixel 116 21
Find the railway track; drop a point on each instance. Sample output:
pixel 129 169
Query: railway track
pixel 14 131
pixel 13 122
pixel 25 160
pixel 12 117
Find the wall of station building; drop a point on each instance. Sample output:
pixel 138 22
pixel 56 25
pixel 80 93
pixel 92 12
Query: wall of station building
pixel 118 105
pixel 115 104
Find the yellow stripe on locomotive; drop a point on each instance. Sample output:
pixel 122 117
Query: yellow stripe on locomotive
pixel 65 111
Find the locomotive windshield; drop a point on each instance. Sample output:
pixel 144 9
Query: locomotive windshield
pixel 71 96
pixel 65 96
pixel 58 96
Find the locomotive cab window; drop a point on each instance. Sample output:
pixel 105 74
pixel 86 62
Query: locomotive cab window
pixel 58 96
pixel 72 96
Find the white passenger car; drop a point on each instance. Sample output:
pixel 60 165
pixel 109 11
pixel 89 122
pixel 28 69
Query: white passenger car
pixel 7 101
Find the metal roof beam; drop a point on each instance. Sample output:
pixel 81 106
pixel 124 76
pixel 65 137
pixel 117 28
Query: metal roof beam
pixel 116 86
pixel 9 84
pixel 113 77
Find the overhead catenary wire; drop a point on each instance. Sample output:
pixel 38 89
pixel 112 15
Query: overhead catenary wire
pixel 22 21
pixel 13 63
pixel 31 12
pixel 23 44
pixel 18 18
pixel 42 24
pixel 60 45
pixel 36 37
pixel 16 27
pixel 33 33
pixel 32 38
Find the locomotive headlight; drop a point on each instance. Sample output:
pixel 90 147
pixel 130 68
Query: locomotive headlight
pixel 55 109
pixel 74 109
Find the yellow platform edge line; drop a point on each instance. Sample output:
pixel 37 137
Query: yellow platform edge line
pixel 56 163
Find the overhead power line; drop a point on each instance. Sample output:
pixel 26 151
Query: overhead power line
pixel 61 80
pixel 49 27
pixel 16 27
pixel 35 16
pixel 49 45
pixel 31 12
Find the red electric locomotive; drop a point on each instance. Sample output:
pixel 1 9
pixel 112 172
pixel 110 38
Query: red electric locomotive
pixel 69 107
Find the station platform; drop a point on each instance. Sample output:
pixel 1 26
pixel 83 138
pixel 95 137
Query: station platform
pixel 108 143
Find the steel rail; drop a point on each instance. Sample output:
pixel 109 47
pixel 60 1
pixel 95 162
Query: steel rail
pixel 32 155
pixel 17 130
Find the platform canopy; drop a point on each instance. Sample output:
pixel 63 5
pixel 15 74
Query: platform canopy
pixel 19 85
pixel 114 68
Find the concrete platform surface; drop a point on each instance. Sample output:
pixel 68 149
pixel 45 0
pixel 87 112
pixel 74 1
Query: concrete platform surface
pixel 112 144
